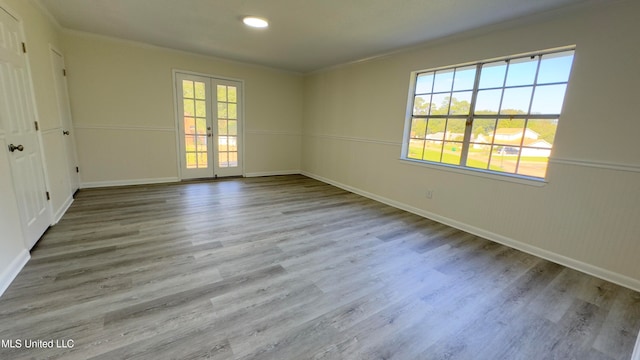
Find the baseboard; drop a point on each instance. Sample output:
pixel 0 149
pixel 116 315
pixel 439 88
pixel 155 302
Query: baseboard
pixel 99 184
pixel 10 273
pixel 272 173
pixel 601 273
pixel 63 209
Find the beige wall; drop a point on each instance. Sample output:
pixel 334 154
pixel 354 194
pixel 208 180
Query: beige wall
pixel 123 108
pixel 585 217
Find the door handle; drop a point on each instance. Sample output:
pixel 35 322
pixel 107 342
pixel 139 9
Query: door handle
pixel 65 132
pixel 13 148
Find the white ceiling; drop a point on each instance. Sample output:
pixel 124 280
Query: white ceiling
pixel 304 35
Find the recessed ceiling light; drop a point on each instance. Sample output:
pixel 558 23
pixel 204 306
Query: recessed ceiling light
pixel 255 22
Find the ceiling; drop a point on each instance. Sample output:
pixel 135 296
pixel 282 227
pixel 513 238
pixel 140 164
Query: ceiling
pixel 304 35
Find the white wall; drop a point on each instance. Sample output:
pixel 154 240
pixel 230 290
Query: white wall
pixel 123 109
pixel 586 216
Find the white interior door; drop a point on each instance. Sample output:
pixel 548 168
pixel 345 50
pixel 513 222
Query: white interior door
pixel 17 121
pixel 62 95
pixel 209 126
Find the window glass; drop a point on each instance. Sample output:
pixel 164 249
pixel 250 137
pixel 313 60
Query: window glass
pixel 499 116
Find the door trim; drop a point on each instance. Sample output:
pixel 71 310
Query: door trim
pixel 177 116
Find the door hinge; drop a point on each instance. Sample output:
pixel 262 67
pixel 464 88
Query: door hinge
pixel 77 169
pixel 37 126
pixel 24 48
pixel 48 196
pixel 64 72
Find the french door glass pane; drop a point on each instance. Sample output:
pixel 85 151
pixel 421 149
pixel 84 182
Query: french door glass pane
pixel 202 143
pixel 189 126
pixel 191 161
pixel 190 142
pixel 233 127
pixel 233 111
pixel 222 110
pixel 222 93
pixel 201 126
pixel 222 127
pixel 200 91
pixel 233 159
pixel 223 159
pixel 202 160
pixel 227 146
pixel 187 89
pixel 233 143
pixel 233 94
pixel 222 143
pixel 189 107
pixel 201 108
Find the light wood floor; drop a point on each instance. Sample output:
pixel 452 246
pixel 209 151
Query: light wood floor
pixel 291 268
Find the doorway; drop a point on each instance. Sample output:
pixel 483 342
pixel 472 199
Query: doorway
pixel 210 121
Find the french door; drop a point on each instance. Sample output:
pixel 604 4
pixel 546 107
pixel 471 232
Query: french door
pixel 18 127
pixel 209 126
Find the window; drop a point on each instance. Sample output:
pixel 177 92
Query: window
pixel 498 116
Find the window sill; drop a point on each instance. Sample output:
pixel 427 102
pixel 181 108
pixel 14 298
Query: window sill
pixel 518 179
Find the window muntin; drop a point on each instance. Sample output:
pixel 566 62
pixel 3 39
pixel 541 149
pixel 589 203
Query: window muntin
pixel 498 116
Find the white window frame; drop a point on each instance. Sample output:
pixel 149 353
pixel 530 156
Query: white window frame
pixel 467 141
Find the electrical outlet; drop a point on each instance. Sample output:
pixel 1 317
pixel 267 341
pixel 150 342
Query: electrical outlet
pixel 429 194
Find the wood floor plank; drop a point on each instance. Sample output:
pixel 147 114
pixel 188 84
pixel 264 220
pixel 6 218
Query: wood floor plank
pixel 288 267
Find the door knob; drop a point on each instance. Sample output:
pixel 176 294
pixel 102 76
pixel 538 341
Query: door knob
pixel 65 132
pixel 13 148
